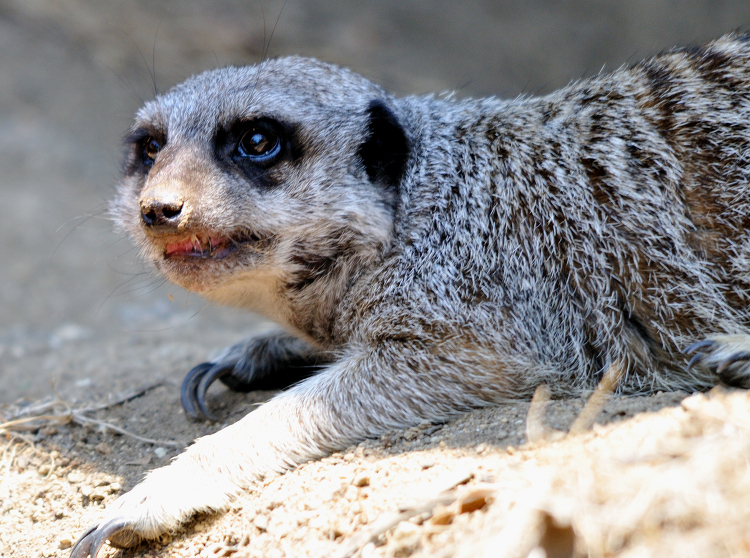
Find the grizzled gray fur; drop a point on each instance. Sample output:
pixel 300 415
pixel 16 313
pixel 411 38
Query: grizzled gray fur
pixel 427 256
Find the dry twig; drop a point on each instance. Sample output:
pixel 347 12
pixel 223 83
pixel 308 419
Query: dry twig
pixel 536 430
pixel 598 399
pixel 37 416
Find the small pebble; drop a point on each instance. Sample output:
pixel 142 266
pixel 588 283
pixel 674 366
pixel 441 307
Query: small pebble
pixel 313 504
pixel 103 448
pixel 49 431
pixel 362 480
pixel 412 433
pixel 97 496
pixel 160 452
pixel 404 530
pixel 76 477
pixel 261 522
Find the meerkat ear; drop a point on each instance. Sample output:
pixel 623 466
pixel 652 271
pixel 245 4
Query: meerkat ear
pixel 386 149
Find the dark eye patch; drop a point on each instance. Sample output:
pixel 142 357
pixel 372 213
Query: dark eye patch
pixel 254 147
pixel 151 148
pixel 144 145
pixel 260 142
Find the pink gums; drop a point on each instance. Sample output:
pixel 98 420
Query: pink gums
pixel 193 247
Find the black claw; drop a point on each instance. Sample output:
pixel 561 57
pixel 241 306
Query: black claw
pixel 100 536
pixel 91 542
pixel 705 344
pixel 696 348
pixel 208 378
pixel 82 548
pixel 115 526
pixel 188 391
pixel 194 388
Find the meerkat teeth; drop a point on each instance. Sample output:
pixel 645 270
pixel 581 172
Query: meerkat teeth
pixel 427 256
pixel 197 247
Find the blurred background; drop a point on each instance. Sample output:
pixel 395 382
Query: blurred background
pixel 78 311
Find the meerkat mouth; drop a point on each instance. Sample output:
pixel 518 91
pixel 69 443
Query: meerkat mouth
pixel 198 245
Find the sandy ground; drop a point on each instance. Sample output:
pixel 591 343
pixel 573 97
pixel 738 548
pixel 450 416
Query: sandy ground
pixel 83 323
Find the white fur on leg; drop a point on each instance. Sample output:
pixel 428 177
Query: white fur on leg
pixel 169 496
pixel 342 405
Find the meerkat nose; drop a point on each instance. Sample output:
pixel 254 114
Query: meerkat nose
pixel 161 216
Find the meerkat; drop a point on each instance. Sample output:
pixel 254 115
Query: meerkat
pixel 427 256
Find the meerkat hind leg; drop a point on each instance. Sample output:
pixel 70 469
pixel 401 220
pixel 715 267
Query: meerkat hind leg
pixel 274 361
pixel 728 356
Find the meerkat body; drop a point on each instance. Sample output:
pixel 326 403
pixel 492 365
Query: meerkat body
pixel 428 256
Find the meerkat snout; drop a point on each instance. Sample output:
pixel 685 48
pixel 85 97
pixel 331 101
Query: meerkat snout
pixel 161 215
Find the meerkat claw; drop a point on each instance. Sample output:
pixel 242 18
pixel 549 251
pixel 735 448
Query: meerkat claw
pixel 704 344
pixel 83 545
pixel 697 349
pixel 91 542
pixel 265 363
pixel 696 358
pixel 194 388
pixel 208 377
pixel 726 355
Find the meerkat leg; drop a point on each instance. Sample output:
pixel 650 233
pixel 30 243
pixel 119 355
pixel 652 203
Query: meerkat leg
pixel 273 361
pixel 359 397
pixel 728 356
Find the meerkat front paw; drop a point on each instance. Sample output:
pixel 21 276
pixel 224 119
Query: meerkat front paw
pixel 728 356
pixel 168 497
pixel 273 361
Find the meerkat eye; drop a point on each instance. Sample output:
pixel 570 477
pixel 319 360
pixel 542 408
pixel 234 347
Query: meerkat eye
pixel 150 150
pixel 259 144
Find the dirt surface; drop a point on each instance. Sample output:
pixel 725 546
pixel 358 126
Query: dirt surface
pixel 83 323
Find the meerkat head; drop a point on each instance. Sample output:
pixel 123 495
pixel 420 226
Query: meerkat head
pixel 243 183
